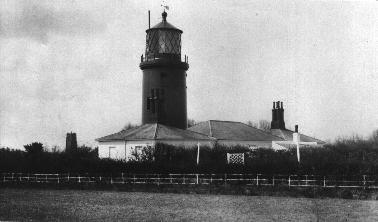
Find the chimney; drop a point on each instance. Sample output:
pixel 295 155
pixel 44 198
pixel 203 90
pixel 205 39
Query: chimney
pixel 296 136
pixel 277 116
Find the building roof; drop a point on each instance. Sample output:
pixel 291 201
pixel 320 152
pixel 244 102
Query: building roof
pixel 154 131
pixel 236 131
pixel 164 24
pixel 288 136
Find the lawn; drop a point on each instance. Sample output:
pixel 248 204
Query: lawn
pixel 73 205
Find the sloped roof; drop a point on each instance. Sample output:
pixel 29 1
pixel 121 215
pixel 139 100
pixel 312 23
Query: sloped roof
pixel 288 136
pixel 154 131
pixel 165 25
pixel 237 131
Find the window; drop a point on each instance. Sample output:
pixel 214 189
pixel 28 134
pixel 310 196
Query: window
pixel 148 99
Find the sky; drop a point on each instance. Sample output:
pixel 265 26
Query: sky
pixel 74 65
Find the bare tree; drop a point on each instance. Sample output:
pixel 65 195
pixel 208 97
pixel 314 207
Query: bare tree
pixel 191 122
pixel 374 138
pixel 252 123
pixel 264 125
pixel 129 126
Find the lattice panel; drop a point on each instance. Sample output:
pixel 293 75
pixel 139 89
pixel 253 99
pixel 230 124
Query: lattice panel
pixel 235 158
pixel 163 42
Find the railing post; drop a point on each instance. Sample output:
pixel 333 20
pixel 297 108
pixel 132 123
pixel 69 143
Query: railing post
pixel 197 178
pixel 324 181
pixel 123 180
pixel 170 178
pixel 257 180
pixel 211 178
pixel 58 178
pixel 273 181
pixel 12 176
pixel 158 181
pixel 364 182
pixel 183 179
pixel 28 177
pixel 306 180
pixel 134 178
pixel 68 177
pixel 79 179
pixel 225 179
pixel 289 181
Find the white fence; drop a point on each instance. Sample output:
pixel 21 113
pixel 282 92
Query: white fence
pixel 360 181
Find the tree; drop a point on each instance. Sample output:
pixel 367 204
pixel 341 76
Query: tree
pixel 191 122
pixel 252 123
pixel 34 148
pixel 129 126
pixel 264 125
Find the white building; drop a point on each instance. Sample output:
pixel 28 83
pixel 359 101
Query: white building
pixel 121 145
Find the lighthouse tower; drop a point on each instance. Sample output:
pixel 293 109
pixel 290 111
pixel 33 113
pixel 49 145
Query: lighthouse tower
pixel 164 76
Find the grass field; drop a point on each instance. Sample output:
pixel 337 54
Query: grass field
pixel 73 205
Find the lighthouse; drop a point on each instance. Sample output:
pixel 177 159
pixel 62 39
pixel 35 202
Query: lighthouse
pixel 164 76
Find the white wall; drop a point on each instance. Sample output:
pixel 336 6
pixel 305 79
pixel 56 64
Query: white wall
pixel 120 150
pixel 116 149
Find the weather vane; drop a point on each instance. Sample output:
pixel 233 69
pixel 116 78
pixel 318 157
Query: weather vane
pixel 164 5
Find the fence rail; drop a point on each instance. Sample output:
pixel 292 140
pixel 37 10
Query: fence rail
pixel 360 181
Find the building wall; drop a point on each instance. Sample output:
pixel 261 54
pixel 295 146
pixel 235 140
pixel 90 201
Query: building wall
pixel 112 149
pixel 122 150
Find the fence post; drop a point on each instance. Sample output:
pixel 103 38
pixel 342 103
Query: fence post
pixel 123 180
pixel 111 179
pixel 306 180
pixel 273 180
pixel 79 179
pixel 183 179
pixel 158 179
pixel 364 182
pixel 134 178
pixel 58 178
pixel 257 180
pixel 324 181
pixel 211 178
pixel 68 177
pixel 28 177
pixel 170 178
pixel 196 178
pixel 12 176
pixel 225 179
pixel 289 181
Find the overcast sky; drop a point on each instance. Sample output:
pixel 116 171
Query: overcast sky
pixel 74 65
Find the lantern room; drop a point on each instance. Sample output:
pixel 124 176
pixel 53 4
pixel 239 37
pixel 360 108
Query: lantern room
pixel 163 40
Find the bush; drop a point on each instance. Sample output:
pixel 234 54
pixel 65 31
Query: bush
pixel 345 157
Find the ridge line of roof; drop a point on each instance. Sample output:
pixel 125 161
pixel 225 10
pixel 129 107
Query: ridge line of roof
pixel 155 133
pixel 211 133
